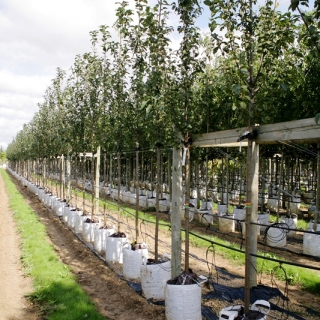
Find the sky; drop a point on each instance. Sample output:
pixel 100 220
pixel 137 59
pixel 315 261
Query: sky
pixel 37 37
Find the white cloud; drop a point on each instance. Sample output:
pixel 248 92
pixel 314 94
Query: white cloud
pixel 37 36
pixel 19 96
pixel 33 85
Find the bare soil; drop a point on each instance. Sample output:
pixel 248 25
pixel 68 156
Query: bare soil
pixel 14 285
pixel 112 295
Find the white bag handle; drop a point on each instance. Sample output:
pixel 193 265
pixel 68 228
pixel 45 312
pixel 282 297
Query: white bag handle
pixel 261 303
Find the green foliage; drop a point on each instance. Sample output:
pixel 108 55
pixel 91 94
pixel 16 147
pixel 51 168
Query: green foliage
pixel 252 44
pixel 134 89
pixel 3 156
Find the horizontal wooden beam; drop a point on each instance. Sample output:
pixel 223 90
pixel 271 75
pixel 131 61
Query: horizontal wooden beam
pixel 299 131
pixel 226 138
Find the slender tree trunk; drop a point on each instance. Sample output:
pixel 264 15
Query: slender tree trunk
pixel 92 169
pixel 197 182
pixel 104 189
pixel 316 214
pixel 187 197
pixel 137 196
pixel 157 204
pixel 176 212
pixel 83 184
pixel 68 178
pixel 119 186
pixel 97 181
pixel 76 178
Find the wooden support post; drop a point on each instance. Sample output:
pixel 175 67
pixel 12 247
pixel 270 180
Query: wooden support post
pixel 119 186
pixel 97 183
pixel 187 205
pixel 251 216
pixel 110 172
pixel 316 215
pixel 76 178
pixel 263 183
pixel 83 183
pixel 197 182
pixel 227 180
pixel 156 237
pixel 137 194
pixel 62 177
pixel 63 169
pixel 176 212
pixel 44 172
pixel 104 188
pixel 92 178
pixel 68 178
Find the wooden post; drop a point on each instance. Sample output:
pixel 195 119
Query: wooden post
pixel 44 172
pixel 104 188
pixel 63 177
pixel 97 184
pixel 227 180
pixel 156 252
pixel 197 182
pixel 137 194
pixel 92 168
pixel 169 173
pixel 83 183
pixel 280 186
pixel 263 183
pixel 68 178
pixel 119 185
pixel 62 180
pixel 76 178
pixel 207 180
pixel 176 212
pixel 251 216
pixel 222 180
pixel 316 215
pixel 186 213
pixel 110 172
pixel 240 183
pixel 152 173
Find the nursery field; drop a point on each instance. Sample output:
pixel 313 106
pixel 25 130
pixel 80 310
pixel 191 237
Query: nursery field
pixel 115 299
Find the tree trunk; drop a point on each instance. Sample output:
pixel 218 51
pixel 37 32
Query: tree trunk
pixel 97 182
pixel 176 212
pixel 137 196
pixel 157 203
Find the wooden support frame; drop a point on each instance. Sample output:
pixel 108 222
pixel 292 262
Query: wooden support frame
pixel 299 131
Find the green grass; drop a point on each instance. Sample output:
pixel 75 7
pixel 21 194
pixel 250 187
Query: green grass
pixel 56 291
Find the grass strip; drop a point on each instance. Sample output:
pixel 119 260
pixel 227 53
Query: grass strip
pixel 56 291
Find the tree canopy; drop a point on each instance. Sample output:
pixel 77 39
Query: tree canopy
pixel 135 89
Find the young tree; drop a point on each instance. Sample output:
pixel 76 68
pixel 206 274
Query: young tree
pixel 185 115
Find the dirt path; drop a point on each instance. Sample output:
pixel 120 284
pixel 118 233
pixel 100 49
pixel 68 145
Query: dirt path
pixel 13 284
